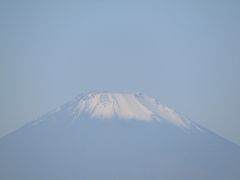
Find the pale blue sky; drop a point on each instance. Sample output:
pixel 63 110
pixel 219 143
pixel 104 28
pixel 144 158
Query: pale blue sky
pixel 184 53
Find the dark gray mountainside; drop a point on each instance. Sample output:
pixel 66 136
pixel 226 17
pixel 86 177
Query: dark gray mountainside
pixel 78 142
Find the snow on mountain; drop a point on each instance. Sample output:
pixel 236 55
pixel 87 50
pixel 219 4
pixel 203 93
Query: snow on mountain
pixel 127 106
pixel 110 136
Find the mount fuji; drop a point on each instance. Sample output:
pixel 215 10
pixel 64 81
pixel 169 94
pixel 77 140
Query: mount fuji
pixel 116 136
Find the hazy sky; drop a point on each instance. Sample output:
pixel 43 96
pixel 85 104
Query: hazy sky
pixel 184 53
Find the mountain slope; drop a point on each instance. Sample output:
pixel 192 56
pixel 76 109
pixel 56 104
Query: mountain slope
pixel 116 136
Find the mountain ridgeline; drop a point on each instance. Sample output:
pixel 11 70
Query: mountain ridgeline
pixel 116 136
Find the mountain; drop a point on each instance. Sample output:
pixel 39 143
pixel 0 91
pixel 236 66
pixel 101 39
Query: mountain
pixel 116 136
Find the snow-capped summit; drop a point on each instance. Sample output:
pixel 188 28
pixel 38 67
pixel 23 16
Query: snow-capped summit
pixel 116 136
pixel 127 106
